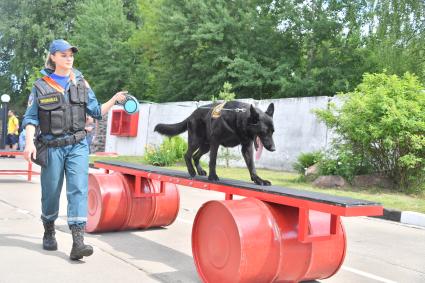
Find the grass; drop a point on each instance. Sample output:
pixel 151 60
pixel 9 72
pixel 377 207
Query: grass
pixel 389 199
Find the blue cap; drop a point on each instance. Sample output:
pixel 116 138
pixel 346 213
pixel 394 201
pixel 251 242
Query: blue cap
pixel 61 45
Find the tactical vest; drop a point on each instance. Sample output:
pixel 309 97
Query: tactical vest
pixel 58 114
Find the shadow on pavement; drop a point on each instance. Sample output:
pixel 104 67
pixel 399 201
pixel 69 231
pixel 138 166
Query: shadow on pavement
pixel 18 240
pixel 140 248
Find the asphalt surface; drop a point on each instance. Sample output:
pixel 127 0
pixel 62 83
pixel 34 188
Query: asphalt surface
pixel 378 250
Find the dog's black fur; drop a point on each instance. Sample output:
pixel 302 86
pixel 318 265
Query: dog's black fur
pixel 230 129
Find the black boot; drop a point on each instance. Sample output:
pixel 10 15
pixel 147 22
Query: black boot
pixel 79 249
pixel 49 240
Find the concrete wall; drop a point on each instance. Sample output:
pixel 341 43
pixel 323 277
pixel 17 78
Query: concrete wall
pixel 297 130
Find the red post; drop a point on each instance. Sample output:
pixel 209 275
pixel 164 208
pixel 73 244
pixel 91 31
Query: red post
pixel 29 170
pixel 229 197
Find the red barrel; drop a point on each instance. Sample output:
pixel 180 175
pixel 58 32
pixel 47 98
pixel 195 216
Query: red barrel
pixel 112 205
pixel 252 241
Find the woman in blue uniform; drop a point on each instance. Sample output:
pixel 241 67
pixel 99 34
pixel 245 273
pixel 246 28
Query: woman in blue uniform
pixel 57 110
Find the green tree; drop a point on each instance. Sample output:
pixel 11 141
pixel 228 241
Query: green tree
pixel 26 29
pixel 264 48
pixel 145 41
pixel 105 56
pixel 131 11
pixel 205 44
pixel 396 35
pixel 167 50
pixel 226 94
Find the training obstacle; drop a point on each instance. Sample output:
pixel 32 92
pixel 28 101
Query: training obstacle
pixel 275 234
pixel 29 172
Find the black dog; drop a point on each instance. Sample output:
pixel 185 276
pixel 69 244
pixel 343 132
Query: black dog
pixel 209 127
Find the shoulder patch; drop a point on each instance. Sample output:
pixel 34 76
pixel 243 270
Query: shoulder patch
pixel 30 100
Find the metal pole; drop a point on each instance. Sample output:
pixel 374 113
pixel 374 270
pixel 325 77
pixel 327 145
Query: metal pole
pixel 3 125
pixel 6 118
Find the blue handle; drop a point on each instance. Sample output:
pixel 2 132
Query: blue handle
pixel 131 104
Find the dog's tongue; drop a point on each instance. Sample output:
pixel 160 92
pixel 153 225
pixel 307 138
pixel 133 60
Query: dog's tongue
pixel 258 148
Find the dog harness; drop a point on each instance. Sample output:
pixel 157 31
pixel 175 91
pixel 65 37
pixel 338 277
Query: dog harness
pixel 216 112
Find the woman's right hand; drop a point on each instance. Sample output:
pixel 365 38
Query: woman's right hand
pixel 29 151
pixel 120 96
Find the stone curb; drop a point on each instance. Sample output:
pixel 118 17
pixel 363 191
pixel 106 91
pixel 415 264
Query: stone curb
pixel 405 217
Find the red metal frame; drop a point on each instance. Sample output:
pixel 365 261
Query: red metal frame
pixel 303 205
pixel 303 235
pixel 138 189
pixel 29 172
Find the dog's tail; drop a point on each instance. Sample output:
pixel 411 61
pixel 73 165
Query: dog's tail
pixel 171 129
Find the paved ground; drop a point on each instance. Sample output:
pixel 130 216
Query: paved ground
pixel 378 250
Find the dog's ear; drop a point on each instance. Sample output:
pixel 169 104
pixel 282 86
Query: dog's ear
pixel 254 117
pixel 270 110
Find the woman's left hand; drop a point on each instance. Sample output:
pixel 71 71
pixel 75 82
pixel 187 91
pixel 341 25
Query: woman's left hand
pixel 120 96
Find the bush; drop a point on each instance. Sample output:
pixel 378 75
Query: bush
pixel 383 123
pixel 168 153
pixel 342 162
pixel 225 94
pixel 306 160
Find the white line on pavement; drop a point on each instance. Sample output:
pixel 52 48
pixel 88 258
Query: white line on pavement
pixel 366 274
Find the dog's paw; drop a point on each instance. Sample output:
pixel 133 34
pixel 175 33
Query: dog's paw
pixel 202 173
pixel 257 180
pixel 213 178
pixel 192 173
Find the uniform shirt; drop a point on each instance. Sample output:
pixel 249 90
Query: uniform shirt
pixel 93 107
pixel 12 125
pixel 61 80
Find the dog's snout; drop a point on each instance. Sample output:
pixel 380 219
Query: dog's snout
pixel 270 147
